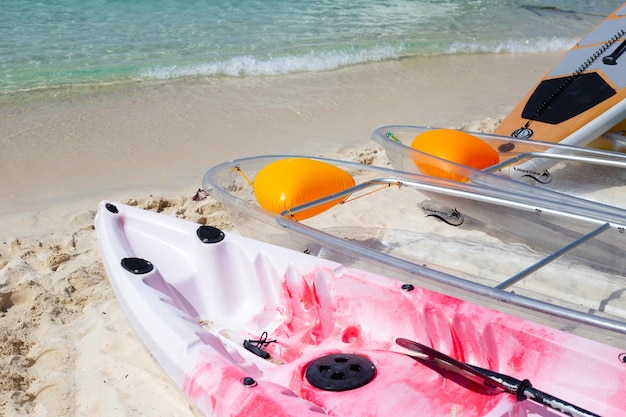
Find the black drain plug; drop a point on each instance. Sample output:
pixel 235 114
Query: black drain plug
pixel 340 372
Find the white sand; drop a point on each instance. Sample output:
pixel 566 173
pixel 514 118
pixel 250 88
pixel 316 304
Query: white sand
pixel 65 346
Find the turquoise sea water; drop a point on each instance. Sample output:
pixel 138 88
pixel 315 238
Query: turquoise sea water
pixel 55 43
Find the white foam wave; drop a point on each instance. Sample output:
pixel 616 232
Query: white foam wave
pixel 513 46
pixel 248 65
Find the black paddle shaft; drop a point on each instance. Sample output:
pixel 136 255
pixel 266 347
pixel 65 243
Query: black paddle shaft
pixel 525 390
pixel 521 389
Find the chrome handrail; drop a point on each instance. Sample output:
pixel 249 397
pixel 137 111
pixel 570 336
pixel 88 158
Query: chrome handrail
pixel 556 156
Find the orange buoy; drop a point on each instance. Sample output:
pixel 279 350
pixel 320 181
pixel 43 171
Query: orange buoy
pixel 455 146
pixel 287 183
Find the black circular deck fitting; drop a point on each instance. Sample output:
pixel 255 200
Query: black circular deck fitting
pixel 248 382
pixel 506 147
pixel 340 372
pixel 210 234
pixel 112 208
pixel 407 287
pixel 137 266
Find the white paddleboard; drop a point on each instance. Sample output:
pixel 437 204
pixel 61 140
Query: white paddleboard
pixel 583 96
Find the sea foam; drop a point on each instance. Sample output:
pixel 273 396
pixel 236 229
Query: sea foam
pixel 251 66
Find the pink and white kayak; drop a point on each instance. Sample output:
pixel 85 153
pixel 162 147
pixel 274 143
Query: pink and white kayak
pixel 248 328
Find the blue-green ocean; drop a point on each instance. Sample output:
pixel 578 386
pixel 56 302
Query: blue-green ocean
pixel 57 43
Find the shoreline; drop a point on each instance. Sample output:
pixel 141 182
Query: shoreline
pixel 165 135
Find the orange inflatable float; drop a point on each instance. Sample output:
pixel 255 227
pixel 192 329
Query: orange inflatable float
pixel 454 146
pixel 287 183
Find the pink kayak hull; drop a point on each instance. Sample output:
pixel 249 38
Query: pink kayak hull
pixel 197 302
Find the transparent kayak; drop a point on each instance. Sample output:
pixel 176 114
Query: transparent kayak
pixel 594 175
pixel 549 260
